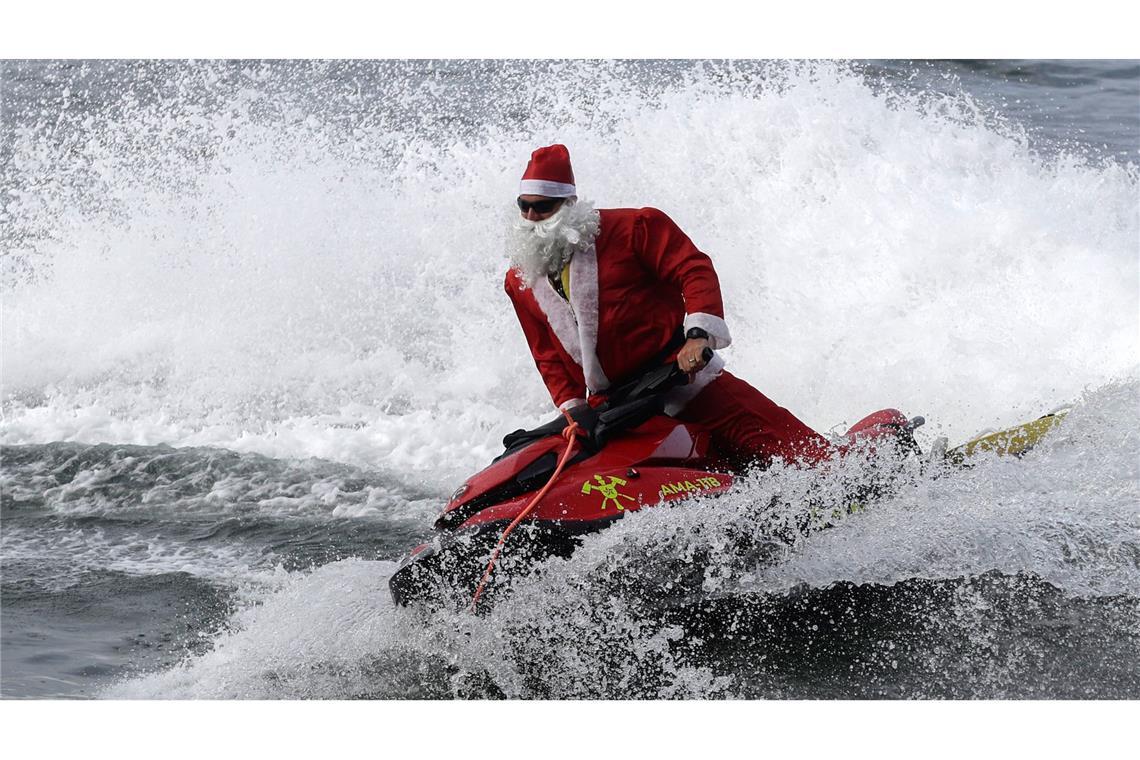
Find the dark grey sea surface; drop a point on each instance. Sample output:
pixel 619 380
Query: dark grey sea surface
pixel 142 566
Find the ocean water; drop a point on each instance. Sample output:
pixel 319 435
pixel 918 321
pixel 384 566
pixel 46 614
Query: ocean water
pixel 254 335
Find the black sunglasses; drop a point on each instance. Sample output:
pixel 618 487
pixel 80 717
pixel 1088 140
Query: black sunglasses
pixel 542 207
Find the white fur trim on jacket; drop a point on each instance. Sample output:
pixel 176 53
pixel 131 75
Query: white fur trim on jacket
pixel 676 399
pixel 560 316
pixel 549 189
pixel 584 298
pixel 573 403
pixel 719 336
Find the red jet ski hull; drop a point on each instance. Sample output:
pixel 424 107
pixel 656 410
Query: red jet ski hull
pixel 659 461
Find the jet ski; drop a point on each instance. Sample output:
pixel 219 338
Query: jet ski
pixel 628 456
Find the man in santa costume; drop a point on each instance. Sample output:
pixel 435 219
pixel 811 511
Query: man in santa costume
pixel 602 294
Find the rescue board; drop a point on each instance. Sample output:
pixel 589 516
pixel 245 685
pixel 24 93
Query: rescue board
pixel 1014 441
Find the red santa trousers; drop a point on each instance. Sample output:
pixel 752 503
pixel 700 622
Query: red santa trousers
pixel 748 428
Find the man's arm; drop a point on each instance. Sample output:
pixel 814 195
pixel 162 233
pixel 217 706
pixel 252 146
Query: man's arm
pixel 666 250
pixel 566 384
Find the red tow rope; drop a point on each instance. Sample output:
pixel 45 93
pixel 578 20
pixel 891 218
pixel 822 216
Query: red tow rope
pixel 570 433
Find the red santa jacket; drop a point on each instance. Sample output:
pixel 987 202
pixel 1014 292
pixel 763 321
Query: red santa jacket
pixel 629 292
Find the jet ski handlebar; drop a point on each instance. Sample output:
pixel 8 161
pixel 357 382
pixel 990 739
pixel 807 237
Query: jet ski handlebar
pixel 655 381
pixel 636 402
pixel 626 406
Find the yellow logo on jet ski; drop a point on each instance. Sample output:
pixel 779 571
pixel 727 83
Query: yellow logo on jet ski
pixel 686 486
pixel 608 490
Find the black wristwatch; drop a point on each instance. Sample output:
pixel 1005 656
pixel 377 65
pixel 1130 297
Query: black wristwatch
pixel 696 332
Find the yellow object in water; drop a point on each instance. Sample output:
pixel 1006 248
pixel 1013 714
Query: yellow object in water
pixel 1014 441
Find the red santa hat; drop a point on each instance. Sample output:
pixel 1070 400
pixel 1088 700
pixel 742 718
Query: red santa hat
pixel 549 173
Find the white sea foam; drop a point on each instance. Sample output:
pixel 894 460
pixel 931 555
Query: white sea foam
pixel 288 291
pixel 334 633
pixel 317 636
pixel 63 556
pixel 586 627
pixel 1068 512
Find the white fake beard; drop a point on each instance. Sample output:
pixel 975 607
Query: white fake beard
pixel 542 248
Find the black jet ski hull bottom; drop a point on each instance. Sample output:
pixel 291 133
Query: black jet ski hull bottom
pixel 447 571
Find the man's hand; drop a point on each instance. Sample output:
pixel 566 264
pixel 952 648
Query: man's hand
pixel 689 358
